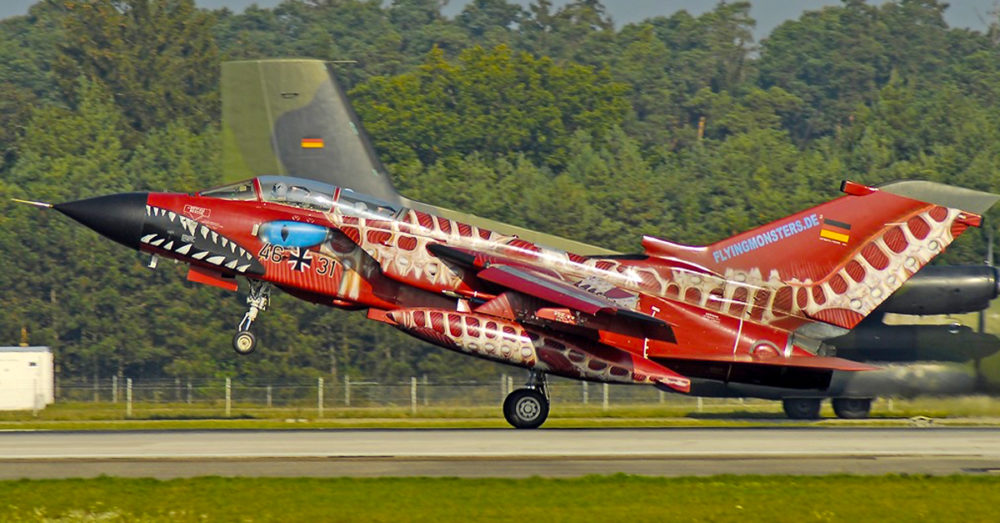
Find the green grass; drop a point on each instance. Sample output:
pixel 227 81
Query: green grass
pixel 592 498
pixel 107 416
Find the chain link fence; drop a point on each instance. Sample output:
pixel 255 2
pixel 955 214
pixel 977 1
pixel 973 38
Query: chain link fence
pixel 228 396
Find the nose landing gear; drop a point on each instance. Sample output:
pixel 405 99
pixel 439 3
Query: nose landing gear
pixel 528 408
pixel 244 342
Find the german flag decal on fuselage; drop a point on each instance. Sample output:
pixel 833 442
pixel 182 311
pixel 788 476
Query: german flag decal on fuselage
pixel 835 231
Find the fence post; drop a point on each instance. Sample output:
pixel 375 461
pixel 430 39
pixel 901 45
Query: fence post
pixel 503 387
pixel 662 394
pixel 97 388
pixel 604 402
pixel 347 391
pixel 268 396
pixel 128 397
pixel 701 404
pixel 177 390
pixel 114 389
pixel 189 391
pixel 510 384
pixel 229 396
pixel 319 396
pixel 426 400
pixel 413 395
pixel 586 393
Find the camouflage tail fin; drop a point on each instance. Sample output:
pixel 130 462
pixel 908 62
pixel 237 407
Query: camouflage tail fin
pixel 838 261
pixel 291 117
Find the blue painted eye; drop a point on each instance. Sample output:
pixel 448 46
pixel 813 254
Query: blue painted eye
pixel 292 234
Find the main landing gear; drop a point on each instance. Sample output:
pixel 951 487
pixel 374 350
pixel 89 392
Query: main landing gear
pixel 527 408
pixel 244 342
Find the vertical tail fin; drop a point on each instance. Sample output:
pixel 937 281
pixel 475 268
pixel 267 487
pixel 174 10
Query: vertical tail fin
pixel 291 117
pixel 838 261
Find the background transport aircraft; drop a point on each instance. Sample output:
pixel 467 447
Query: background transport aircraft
pixel 752 310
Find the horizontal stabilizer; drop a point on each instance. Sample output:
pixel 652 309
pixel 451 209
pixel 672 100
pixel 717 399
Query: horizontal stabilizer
pixel 968 200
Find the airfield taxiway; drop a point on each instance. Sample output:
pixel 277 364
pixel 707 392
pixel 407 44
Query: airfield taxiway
pixel 501 452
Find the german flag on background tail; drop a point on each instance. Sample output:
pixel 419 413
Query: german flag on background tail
pixel 835 231
pixel 312 143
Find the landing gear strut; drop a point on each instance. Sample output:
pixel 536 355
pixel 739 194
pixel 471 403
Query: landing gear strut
pixel 527 408
pixel 244 342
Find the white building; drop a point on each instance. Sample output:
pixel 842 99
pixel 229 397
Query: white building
pixel 27 380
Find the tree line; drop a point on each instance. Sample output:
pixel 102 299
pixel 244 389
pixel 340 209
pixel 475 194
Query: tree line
pixel 548 117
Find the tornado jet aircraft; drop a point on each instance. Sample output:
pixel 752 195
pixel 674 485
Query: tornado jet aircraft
pixel 752 309
pixel 739 310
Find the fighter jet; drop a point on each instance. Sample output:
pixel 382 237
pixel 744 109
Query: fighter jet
pixel 740 310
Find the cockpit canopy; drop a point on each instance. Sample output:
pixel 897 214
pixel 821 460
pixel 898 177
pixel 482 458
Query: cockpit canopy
pixel 306 194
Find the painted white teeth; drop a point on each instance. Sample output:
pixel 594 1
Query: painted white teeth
pixel 232 247
pixel 146 238
pixel 184 248
pixel 232 264
pixel 225 241
pixel 200 255
pixel 171 215
pixel 215 237
pixel 217 260
pixel 243 268
pixel 147 210
pixel 204 232
pixel 158 241
pixel 169 245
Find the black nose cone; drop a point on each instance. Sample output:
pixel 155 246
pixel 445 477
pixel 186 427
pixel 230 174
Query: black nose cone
pixel 117 216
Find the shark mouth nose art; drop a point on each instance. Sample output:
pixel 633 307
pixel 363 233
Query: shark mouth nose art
pixel 167 230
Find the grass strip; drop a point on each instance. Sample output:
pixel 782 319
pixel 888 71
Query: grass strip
pixel 592 498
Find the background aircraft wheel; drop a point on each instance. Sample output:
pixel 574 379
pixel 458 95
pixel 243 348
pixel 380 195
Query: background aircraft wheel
pixel 801 408
pixel 526 408
pixel 852 408
pixel 244 342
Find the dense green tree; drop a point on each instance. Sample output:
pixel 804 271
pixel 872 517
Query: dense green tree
pixel 542 116
pixel 490 100
pixel 156 57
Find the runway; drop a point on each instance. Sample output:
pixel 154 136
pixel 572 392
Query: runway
pixel 500 453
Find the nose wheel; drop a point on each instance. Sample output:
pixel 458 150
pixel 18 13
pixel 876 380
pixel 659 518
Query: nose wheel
pixel 528 408
pixel 244 342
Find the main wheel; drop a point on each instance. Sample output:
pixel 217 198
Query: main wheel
pixel 526 408
pixel 244 342
pixel 852 408
pixel 801 408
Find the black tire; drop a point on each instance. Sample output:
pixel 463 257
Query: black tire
pixel 852 408
pixel 244 342
pixel 526 409
pixel 802 408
